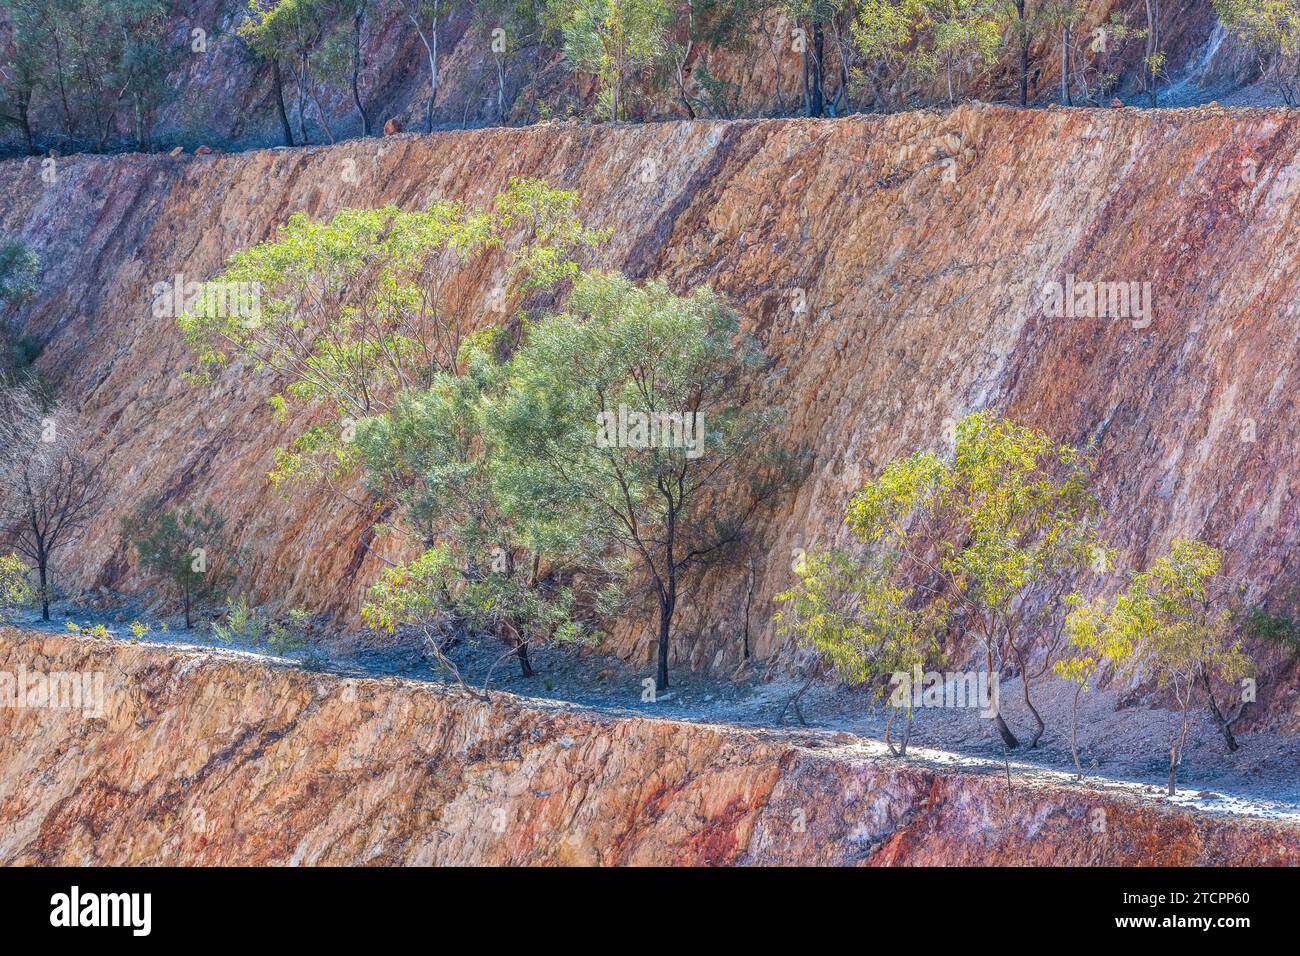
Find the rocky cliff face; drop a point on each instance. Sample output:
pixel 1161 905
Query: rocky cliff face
pixel 199 759
pixel 893 266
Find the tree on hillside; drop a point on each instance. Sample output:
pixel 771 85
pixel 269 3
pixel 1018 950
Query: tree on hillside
pixel 187 549
pixel 49 485
pixel 1272 29
pixel 424 15
pixel 1171 623
pixel 627 414
pixel 484 569
pixel 94 59
pixel 850 610
pixel 616 40
pixel 508 28
pixel 15 591
pixel 25 68
pixel 359 308
pixel 986 537
pixel 812 18
pixel 919 39
pixel 359 10
pixel 290 32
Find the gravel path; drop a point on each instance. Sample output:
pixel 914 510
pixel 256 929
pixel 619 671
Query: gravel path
pixel 1120 748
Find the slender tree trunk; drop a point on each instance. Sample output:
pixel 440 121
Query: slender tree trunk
pixel 320 111
pixel 1153 46
pixel 818 99
pixel 1007 736
pixel 24 120
pixel 1074 729
pixel 667 605
pixel 521 652
pixel 1173 770
pixel 1024 54
pixel 1065 65
pixel 188 623
pixel 358 17
pixel 277 87
pixel 430 41
pixel 42 566
pixel 302 100
pixel 1222 722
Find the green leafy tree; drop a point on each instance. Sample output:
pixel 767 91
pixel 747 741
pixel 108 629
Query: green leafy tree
pixel 1272 29
pixel 1172 623
pixel 811 19
pixel 20 271
pixel 290 33
pixel 853 612
pixel 490 571
pixel 921 38
pixel 354 311
pixel 15 591
pixel 188 549
pixel 25 69
pixel 615 40
pixel 988 536
pixel 627 414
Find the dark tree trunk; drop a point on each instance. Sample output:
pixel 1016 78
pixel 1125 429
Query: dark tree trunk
pixel 42 566
pixel 277 86
pixel 521 652
pixel 1024 54
pixel 1220 721
pixel 356 69
pixel 817 100
pixel 188 623
pixel 1007 736
pixel 666 606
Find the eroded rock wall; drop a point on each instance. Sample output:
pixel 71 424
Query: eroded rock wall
pixel 202 759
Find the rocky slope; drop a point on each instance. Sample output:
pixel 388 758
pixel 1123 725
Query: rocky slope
pixel 203 759
pixel 918 244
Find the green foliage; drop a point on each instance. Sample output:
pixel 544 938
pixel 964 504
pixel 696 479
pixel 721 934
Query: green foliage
pixel 923 38
pixel 564 462
pixel 1278 627
pixel 993 532
pixel 98 64
pixel 15 587
pixel 20 272
pixel 615 40
pixel 854 614
pixel 250 627
pixel 188 549
pixel 357 310
pixel 1272 29
pixel 1172 623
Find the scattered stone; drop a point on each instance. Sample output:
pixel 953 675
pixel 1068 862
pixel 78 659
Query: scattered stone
pixel 177 151
pixel 203 150
pixel 1117 104
pixel 392 127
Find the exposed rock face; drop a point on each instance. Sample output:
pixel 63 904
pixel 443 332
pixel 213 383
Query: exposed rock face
pixel 893 266
pixel 199 759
